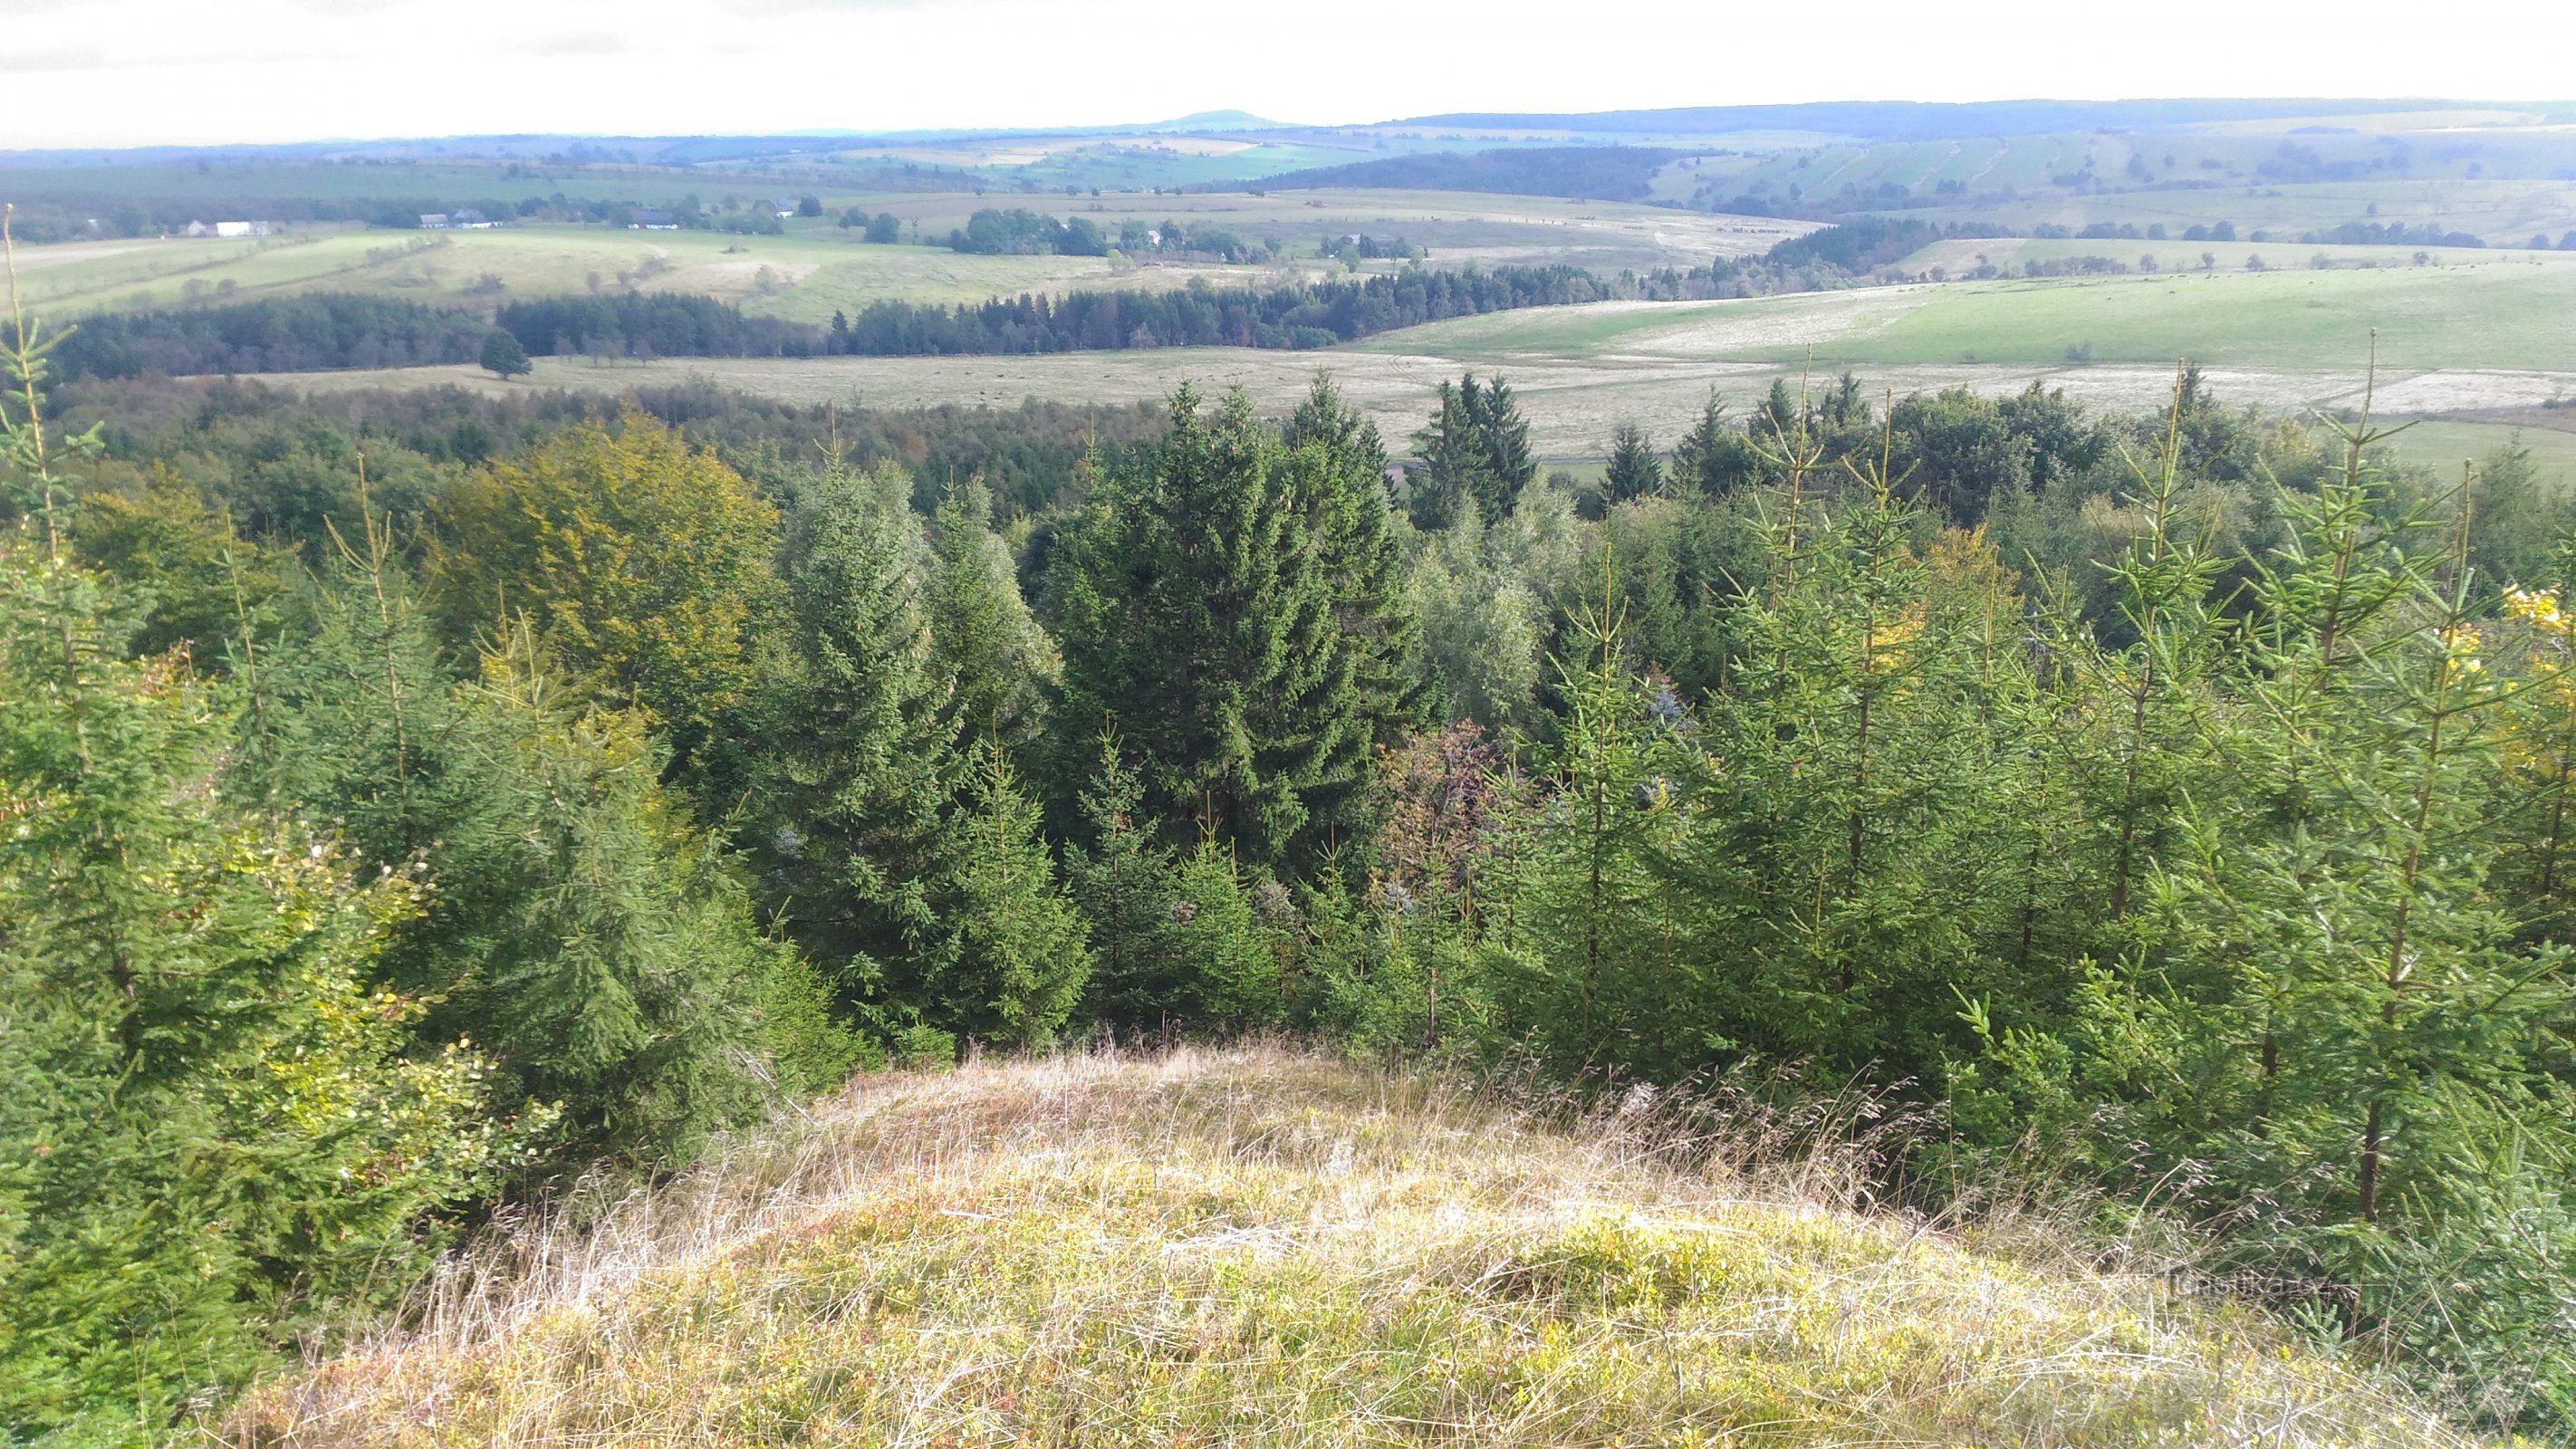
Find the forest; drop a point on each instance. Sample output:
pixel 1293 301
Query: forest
pixel 1295 316
pixel 421 805
pixel 324 331
pixel 1621 173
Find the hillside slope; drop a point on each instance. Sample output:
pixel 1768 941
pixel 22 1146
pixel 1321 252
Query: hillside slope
pixel 1262 1248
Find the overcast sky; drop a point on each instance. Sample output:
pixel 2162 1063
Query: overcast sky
pixel 129 72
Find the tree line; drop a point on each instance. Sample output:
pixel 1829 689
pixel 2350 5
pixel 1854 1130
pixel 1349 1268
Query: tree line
pixel 309 333
pixel 326 331
pixel 650 324
pixel 1293 315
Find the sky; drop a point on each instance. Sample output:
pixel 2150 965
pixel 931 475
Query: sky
pixel 141 72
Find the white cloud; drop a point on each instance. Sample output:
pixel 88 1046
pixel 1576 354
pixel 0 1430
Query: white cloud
pixel 126 72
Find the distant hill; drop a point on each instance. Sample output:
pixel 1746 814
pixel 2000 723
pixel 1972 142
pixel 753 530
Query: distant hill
pixel 1923 120
pixel 1210 121
pixel 644 150
pixel 1590 173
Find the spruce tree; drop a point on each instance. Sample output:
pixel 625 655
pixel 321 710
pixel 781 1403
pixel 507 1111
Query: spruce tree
pixel 1592 963
pixel 1714 460
pixel 1196 605
pixel 1634 471
pixel 1452 458
pixel 1781 415
pixel 1021 955
pixel 215 1131
pixel 857 761
pixel 897 846
pixel 1340 469
pixel 1474 449
pixel 605 947
pixel 982 633
pixel 572 923
pixel 1504 435
pixel 1179 946
pixel 1857 780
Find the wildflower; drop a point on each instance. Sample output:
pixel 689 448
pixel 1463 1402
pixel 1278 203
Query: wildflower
pixel 2539 607
pixel 2460 661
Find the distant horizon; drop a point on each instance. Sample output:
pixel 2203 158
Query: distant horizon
pixel 132 74
pixel 1224 119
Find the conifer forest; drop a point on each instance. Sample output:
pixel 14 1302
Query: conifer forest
pixel 433 807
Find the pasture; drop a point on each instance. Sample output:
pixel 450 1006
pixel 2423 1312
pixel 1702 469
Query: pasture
pixel 1960 256
pixel 2501 212
pixel 2489 335
pixel 2443 443
pixel 2507 311
pixel 2470 330
pixel 804 275
pixel 1572 404
pixel 817 267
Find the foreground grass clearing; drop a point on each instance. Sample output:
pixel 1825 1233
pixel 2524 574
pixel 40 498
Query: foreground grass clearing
pixel 1260 1248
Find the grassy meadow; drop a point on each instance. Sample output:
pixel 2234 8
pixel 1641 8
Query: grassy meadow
pixel 2509 311
pixel 1960 256
pixel 1251 1247
pixel 2467 330
pixel 2504 213
pixel 2444 443
pixel 817 267
pixel 1572 404
pixel 2463 336
pixel 804 274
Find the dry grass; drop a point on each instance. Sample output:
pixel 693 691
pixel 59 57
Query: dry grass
pixel 1263 1248
pixel 1572 404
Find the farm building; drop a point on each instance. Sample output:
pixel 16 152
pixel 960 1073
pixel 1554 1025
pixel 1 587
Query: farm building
pixel 224 228
pixel 433 221
pixel 646 219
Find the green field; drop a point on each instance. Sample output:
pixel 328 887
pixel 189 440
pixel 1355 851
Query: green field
pixel 1455 226
pixel 818 267
pixel 1572 403
pixel 1961 256
pixel 2486 335
pixel 805 274
pixel 2502 212
pixel 2479 330
pixel 2445 443
pixel 2510 312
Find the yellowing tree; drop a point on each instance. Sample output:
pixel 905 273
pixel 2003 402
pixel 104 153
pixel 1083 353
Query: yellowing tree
pixel 645 564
